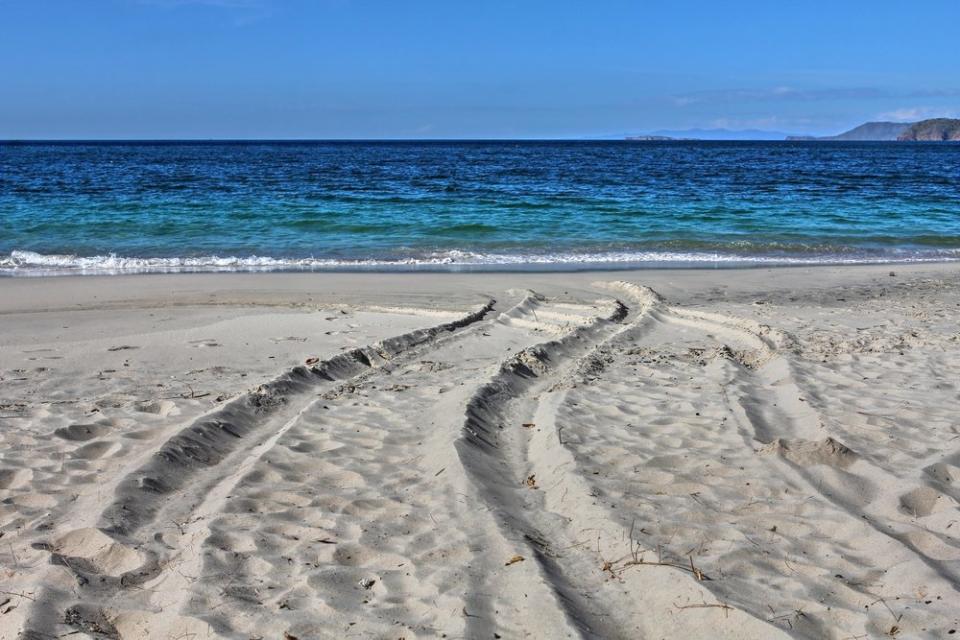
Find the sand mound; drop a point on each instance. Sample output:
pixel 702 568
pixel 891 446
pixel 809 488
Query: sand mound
pixel 943 472
pixel 924 501
pixel 141 625
pixel 806 452
pixel 95 551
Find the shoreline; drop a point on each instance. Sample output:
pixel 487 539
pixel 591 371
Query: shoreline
pixel 284 287
pixel 27 264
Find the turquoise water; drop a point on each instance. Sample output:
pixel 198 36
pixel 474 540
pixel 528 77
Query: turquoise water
pixel 119 207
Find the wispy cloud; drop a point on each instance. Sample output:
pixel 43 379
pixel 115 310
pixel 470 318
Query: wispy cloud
pixel 763 123
pixel 912 114
pixel 780 93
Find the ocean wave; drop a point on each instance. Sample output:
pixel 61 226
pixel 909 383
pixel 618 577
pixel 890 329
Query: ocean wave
pixel 25 263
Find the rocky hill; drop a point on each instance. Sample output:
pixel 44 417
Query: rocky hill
pixel 868 132
pixel 937 129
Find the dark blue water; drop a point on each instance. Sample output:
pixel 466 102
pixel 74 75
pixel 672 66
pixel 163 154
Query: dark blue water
pixel 455 205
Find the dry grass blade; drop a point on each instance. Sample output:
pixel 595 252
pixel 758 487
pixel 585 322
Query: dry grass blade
pixel 706 605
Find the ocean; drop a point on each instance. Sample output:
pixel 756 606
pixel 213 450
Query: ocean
pixel 122 207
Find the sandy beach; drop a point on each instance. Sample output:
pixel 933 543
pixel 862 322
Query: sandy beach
pixel 762 453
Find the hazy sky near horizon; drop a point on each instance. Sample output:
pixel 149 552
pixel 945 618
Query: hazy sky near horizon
pixel 451 69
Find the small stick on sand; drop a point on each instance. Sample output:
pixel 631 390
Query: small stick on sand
pixel 719 605
pixel 896 617
pixel 639 561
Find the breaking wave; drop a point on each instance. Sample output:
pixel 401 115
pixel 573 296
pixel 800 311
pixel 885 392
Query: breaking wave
pixel 29 263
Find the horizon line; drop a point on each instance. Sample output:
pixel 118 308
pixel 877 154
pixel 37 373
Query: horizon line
pixel 625 138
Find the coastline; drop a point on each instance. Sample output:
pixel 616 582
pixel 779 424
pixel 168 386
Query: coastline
pixel 701 451
pixel 84 291
pixel 27 264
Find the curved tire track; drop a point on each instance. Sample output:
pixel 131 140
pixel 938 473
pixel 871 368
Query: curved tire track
pixel 495 454
pixel 174 471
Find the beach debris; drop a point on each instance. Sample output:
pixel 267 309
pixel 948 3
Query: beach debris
pixel 367 583
pixel 122 347
pixel 311 361
pixel 91 620
pixel 514 560
pixel 706 605
pixel 528 425
pixel 696 572
pixel 607 567
pixel 532 481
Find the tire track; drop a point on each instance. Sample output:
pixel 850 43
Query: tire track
pixel 175 480
pixel 765 398
pixel 364 546
pixel 773 423
pixel 499 458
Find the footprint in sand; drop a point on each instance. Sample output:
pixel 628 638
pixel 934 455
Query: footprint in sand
pixel 161 408
pixel 15 478
pixel 81 432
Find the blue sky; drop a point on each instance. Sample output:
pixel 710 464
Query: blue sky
pixel 461 69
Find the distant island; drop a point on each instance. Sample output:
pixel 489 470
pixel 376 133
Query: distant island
pixel 935 129
pixel 714 134
pixel 939 129
pixel 870 131
pixel 648 138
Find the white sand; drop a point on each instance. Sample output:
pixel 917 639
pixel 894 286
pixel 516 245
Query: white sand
pixel 666 454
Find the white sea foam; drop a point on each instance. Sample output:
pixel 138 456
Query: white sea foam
pixel 27 263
